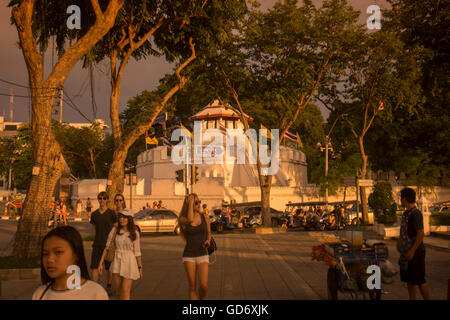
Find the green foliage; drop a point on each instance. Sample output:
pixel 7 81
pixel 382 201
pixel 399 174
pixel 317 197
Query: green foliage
pixel 383 204
pixel 9 262
pixel 440 219
pixel 90 237
pixel 83 149
pixel 15 153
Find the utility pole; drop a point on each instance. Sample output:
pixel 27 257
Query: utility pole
pixel 11 104
pixel 327 147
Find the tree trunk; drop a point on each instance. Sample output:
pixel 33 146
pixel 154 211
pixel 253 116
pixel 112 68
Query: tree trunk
pixel 116 174
pixel 265 186
pixel 32 226
pixel 365 207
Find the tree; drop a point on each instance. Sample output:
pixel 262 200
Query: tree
pixel 82 149
pixel 36 21
pixel 380 78
pixel 383 204
pixel 175 30
pixel 15 154
pixel 279 74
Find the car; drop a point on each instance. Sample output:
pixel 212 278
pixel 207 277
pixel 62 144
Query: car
pixel 157 220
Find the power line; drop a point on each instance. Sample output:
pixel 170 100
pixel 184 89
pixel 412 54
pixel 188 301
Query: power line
pixel 23 86
pixel 74 106
pixel 20 96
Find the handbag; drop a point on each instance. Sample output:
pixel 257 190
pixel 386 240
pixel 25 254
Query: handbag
pixel 111 251
pixel 212 244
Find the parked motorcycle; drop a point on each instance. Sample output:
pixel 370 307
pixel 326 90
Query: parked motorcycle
pixel 218 221
pixel 313 221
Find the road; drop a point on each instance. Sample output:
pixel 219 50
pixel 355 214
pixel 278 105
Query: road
pixel 247 267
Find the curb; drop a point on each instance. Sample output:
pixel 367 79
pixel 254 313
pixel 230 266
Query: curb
pixel 68 219
pixel 20 274
pixel 431 246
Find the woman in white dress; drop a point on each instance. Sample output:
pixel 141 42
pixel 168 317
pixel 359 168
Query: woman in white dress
pixel 127 264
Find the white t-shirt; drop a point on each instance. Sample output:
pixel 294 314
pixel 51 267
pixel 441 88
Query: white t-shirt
pixel 90 290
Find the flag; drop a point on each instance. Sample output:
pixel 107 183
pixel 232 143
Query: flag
pixel 290 136
pixel 185 130
pixel 149 140
pixel 299 141
pixel 380 105
pixel 166 142
pixel 265 132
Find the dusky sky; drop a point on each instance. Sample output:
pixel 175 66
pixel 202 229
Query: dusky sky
pixel 138 76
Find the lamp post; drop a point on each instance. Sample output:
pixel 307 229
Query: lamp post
pixel 327 148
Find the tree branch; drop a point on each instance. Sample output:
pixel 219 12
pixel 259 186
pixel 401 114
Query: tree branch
pixel 140 130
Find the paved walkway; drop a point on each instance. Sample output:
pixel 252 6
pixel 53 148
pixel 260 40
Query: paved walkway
pixel 250 266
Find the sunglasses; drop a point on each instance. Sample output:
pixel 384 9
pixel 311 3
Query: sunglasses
pixel 102 198
pixel 122 216
pixel 198 202
pixel 118 200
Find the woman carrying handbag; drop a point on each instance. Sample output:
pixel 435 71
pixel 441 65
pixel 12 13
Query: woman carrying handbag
pixel 194 227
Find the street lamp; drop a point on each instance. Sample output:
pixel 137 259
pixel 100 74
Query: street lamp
pixel 326 148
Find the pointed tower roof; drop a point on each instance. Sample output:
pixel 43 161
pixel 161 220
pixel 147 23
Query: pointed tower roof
pixel 217 110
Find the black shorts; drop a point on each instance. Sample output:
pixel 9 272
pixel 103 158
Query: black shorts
pixel 415 272
pixel 96 256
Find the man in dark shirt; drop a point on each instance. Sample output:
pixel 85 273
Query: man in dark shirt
pixel 411 247
pixel 104 220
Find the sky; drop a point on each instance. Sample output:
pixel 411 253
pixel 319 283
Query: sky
pixel 138 76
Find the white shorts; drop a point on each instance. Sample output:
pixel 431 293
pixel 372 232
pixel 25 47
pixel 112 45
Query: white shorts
pixel 196 260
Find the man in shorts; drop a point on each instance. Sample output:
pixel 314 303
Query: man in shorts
pixel 411 247
pixel 104 220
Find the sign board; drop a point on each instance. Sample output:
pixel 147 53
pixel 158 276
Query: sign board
pixel 351 182
pixel 365 182
pixel 160 118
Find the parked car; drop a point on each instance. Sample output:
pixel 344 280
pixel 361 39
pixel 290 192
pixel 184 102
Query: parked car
pixel 157 220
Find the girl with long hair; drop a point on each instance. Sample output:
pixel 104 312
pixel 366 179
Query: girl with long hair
pixel 62 248
pixel 196 231
pixel 127 264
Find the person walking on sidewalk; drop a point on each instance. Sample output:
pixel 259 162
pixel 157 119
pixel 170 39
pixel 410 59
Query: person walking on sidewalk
pixel 196 231
pixel 104 220
pixel 89 207
pixel 62 248
pixel 79 204
pixel 411 247
pixel 127 263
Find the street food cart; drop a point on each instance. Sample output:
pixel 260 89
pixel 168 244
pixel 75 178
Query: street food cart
pixel 348 260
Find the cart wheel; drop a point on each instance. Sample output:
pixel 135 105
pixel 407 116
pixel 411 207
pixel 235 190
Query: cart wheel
pixel 375 294
pixel 332 279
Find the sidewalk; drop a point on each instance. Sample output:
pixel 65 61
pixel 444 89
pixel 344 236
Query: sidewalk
pixel 249 267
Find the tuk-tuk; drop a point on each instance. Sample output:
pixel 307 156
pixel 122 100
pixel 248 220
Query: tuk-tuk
pixel 249 214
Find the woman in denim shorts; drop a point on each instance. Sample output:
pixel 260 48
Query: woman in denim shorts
pixel 196 231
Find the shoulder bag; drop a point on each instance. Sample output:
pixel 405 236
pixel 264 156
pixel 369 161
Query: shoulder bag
pixel 212 244
pixel 111 251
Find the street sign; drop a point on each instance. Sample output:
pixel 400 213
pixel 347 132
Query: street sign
pixel 160 118
pixel 365 182
pixel 349 181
